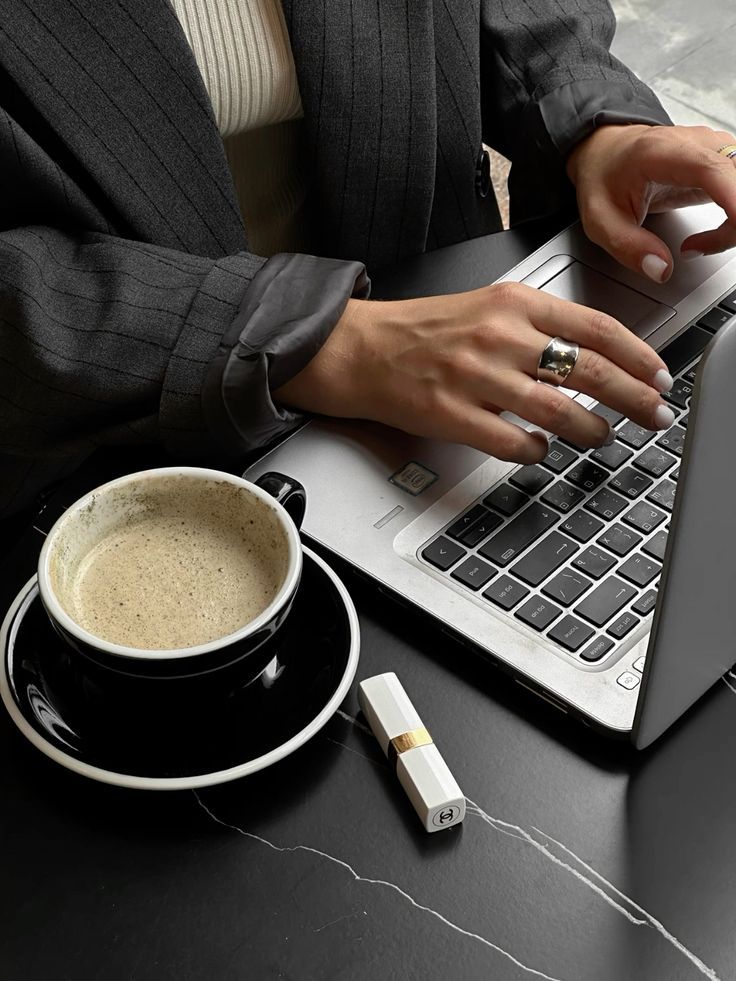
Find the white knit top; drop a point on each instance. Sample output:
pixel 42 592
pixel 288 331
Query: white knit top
pixel 243 52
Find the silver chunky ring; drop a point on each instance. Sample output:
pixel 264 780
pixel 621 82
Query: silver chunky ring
pixel 557 361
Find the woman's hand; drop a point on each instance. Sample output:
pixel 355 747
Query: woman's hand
pixel 621 173
pixel 446 366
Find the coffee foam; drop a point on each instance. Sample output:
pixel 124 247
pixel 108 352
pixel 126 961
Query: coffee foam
pixel 170 562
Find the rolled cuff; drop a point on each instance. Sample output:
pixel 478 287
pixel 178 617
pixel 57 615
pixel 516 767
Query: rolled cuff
pixel 288 312
pixel 571 112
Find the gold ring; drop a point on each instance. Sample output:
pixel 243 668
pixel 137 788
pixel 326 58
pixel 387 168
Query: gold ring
pixel 557 361
pixel 728 150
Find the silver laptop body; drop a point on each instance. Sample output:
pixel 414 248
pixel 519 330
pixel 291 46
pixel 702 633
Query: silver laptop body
pixel 376 497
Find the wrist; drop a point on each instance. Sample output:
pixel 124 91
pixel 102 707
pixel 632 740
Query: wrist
pixel 329 383
pixel 604 142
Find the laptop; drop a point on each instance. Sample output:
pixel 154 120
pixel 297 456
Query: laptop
pixel 603 580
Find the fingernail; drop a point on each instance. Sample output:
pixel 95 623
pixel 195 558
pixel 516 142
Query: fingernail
pixel 689 254
pixel 610 438
pixel 663 417
pixel 663 381
pixel 538 432
pixel 655 268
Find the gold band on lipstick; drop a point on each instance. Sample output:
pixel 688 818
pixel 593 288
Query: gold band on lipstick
pixel 406 741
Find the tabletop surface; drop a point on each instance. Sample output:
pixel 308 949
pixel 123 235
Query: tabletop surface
pixel 579 859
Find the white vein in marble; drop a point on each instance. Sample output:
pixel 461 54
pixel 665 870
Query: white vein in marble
pixel 643 919
pixel 377 882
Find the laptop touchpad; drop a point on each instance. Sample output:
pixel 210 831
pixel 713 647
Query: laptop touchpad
pixel 569 279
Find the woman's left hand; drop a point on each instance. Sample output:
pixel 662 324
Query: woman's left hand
pixel 622 173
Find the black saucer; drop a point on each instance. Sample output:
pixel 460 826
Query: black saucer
pixel 168 735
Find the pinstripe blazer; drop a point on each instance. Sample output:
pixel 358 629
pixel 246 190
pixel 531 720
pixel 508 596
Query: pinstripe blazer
pixel 130 307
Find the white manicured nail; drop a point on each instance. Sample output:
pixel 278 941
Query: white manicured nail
pixel 689 254
pixel 663 381
pixel 663 417
pixel 654 267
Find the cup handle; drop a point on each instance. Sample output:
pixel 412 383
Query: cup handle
pixel 287 491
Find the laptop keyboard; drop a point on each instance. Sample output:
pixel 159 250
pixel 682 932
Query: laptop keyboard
pixel 573 547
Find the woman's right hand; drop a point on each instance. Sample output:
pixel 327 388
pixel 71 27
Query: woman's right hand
pixel 447 366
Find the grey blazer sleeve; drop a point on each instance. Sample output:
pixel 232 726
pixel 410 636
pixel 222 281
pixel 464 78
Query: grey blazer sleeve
pixel 104 340
pixel 547 80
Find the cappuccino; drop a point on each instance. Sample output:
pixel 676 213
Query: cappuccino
pixel 179 563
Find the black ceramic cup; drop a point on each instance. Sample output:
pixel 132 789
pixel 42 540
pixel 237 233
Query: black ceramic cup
pixel 261 519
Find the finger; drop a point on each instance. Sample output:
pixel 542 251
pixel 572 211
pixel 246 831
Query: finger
pixel 550 408
pixel 475 426
pixel 691 163
pixel 595 331
pixel 711 242
pixel 597 376
pixel 667 158
pixel 616 229
pixel 546 406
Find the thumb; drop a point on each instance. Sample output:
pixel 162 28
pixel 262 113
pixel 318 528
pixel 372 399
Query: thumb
pixel 618 232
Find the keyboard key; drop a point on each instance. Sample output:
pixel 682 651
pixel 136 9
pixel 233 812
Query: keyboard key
pixel 587 475
pixel 612 456
pixel 610 415
pixel 505 592
pixel 656 546
pixel 644 517
pixel 582 526
pixel 598 649
pixel 594 561
pixel 619 540
pixel 639 663
pixel 729 303
pixel 570 633
pixel 481 529
pixel 606 503
pixel 663 495
pixel 685 348
pixel 559 457
pixel 679 394
pixel 714 319
pixel 606 600
pixel 458 528
pixel 676 474
pixel 683 420
pixel 625 623
pixel 640 570
pixel 628 680
pixel 531 479
pixel 521 531
pixel 645 604
pixel 506 499
pixel 544 558
pixel 654 461
pixel 538 613
pixel 473 573
pixel 634 435
pixel 689 376
pixel 563 496
pixel 630 482
pixel 567 586
pixel 443 553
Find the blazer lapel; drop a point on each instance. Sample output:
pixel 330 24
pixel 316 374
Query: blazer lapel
pixel 118 84
pixel 367 79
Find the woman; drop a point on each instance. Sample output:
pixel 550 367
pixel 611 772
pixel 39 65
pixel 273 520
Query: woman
pixel 137 305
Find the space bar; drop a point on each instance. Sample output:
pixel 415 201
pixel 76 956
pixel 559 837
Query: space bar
pixel 514 537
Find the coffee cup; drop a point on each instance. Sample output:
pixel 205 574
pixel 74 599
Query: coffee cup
pixel 176 572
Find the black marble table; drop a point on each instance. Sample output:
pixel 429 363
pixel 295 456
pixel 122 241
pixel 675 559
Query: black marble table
pixel 579 859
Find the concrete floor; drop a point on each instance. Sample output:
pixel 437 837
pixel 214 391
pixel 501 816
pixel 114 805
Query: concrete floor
pixel 685 50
